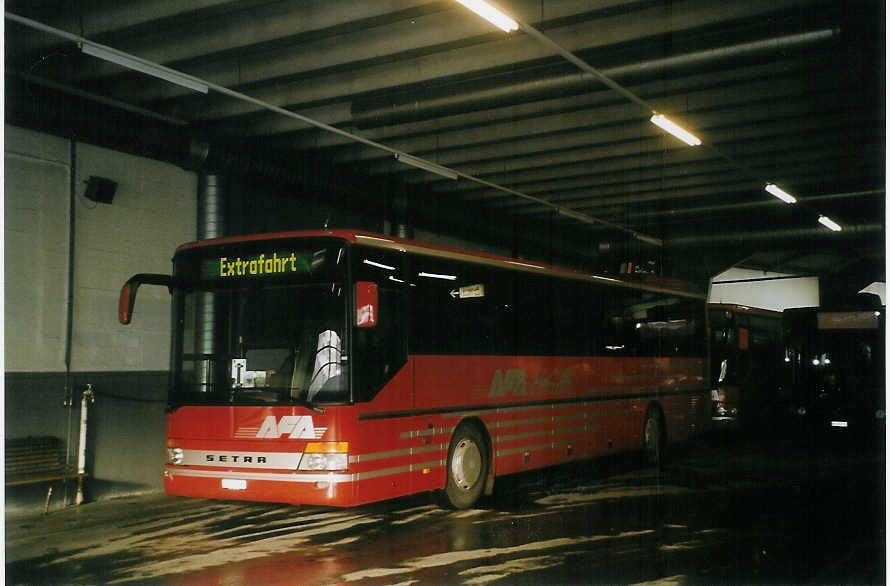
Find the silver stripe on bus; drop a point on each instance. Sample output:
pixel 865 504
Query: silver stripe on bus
pixel 370 457
pixel 522 450
pixel 424 432
pixel 577 429
pixel 488 413
pixel 337 478
pixel 273 476
pixel 556 432
pixel 519 422
pixel 398 470
pixel 580 414
pixel 516 436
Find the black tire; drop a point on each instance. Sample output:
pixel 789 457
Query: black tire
pixel 653 438
pixel 467 467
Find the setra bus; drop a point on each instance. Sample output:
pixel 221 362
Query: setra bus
pixel 342 367
pixel 746 350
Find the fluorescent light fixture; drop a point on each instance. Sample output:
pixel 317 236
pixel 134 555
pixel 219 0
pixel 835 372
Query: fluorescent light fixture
pixel 673 128
pixel 830 224
pixel 426 165
pixel 649 239
pixel 438 276
pixel 780 193
pixel 143 66
pixel 566 212
pixel 839 424
pixel 378 265
pixel 491 14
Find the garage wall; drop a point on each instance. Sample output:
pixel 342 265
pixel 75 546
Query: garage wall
pixel 153 211
pixel 36 250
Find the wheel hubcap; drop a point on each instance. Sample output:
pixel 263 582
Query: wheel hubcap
pixel 466 464
pixel 652 434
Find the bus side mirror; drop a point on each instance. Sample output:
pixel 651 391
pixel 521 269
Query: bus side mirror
pixel 365 304
pixel 128 293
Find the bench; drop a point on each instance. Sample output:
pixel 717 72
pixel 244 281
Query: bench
pixel 37 459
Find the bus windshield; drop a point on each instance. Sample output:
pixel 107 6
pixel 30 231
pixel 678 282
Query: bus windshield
pixel 261 325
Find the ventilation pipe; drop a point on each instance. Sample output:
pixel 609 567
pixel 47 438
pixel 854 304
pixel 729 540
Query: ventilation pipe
pixel 211 224
pixel 211 212
pixel 401 225
pixel 767 235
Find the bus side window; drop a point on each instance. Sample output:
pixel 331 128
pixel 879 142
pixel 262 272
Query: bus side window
pixel 379 352
pixel 619 336
pixel 460 308
pixel 534 315
pixel 573 306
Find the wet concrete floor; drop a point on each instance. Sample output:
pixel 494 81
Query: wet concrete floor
pixel 725 510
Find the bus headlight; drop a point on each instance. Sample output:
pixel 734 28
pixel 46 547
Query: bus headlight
pixel 325 456
pixel 174 456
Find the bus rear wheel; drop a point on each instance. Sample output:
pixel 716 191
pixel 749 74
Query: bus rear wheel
pixel 467 467
pixel 653 438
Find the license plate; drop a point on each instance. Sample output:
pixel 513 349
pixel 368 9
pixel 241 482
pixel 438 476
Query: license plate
pixel 234 484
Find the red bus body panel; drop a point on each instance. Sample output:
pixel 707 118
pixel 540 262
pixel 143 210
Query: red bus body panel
pixel 537 412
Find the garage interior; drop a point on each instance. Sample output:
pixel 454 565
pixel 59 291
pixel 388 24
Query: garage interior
pixel 789 93
pixel 133 127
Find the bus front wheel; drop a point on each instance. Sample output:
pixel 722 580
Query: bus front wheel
pixel 467 467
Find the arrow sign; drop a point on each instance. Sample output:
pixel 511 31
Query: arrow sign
pixel 468 292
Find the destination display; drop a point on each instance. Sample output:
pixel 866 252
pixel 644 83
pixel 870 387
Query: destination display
pixel 262 265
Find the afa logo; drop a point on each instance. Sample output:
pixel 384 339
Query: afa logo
pixel 293 426
pixel 516 383
pixel 509 382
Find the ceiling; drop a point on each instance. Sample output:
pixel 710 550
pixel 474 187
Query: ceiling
pixel 782 91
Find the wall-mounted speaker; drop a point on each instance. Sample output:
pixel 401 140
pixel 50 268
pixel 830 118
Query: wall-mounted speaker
pixel 100 189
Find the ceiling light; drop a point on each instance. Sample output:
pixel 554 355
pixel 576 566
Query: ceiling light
pixel 780 193
pixel 491 14
pixel 649 239
pixel 426 165
pixel 566 212
pixel 673 128
pixel 143 66
pixel 829 223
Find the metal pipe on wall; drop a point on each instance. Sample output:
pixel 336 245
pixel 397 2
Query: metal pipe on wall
pixel 68 401
pixel 87 398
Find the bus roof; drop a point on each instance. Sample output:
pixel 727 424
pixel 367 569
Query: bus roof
pixel 647 282
pixel 745 309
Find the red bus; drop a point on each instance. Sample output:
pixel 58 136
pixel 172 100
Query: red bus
pixel 341 368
